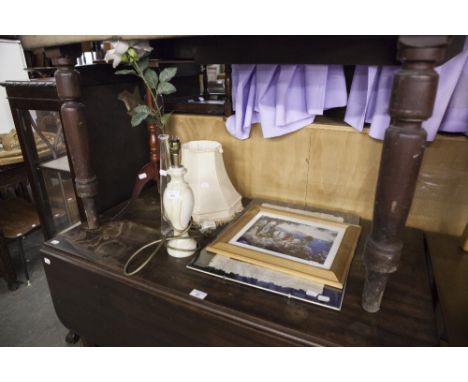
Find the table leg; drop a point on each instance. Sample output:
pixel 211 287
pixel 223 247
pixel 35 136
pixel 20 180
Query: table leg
pixel 76 133
pixel 19 240
pixel 228 91
pixel 7 269
pixel 412 102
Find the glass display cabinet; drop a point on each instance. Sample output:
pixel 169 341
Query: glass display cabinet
pixel 53 165
pixel 36 113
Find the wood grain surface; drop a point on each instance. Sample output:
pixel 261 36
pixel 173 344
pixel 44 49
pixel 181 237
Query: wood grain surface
pixel 17 217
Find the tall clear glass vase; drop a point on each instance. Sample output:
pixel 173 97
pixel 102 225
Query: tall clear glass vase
pixel 164 163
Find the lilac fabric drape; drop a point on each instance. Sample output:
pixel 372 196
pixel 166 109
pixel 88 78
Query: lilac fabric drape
pixel 369 98
pixel 286 98
pixel 283 98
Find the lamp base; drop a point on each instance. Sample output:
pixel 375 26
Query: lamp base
pixel 183 247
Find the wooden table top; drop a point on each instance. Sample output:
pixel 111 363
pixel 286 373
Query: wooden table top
pixel 406 317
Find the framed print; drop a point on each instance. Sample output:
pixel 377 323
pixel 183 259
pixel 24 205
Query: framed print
pixel 290 241
pixel 268 280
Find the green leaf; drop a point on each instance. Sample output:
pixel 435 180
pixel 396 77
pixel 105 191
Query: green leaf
pixel 166 88
pixel 138 118
pixel 143 63
pixel 167 74
pixel 152 78
pixel 165 118
pixel 141 109
pixel 124 72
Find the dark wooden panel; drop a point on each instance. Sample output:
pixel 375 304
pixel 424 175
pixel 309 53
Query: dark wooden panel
pixel 114 313
pixel 346 50
pixel 199 107
pixel 117 150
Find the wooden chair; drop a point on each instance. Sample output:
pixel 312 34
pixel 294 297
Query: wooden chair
pixel 18 218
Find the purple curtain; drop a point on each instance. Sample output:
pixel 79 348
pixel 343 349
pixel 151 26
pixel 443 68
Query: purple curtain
pixel 283 98
pixel 370 93
pixel 286 98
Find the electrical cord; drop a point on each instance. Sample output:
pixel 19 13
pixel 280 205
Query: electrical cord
pixel 163 241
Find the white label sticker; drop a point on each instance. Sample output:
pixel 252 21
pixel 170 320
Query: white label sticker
pixel 142 175
pixel 311 293
pixel 54 242
pixel 323 298
pixel 163 172
pixel 198 294
pixel 173 194
pixel 46 260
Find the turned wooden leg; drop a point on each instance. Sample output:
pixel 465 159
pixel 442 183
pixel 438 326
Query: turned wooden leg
pixel 412 102
pixel 76 133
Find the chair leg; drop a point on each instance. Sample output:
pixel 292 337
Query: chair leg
pixel 23 258
pixel 7 270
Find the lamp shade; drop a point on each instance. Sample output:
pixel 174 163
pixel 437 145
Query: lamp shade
pixel 216 199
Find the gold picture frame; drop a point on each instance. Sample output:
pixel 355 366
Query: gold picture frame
pixel 291 241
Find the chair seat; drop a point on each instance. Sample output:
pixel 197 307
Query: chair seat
pixel 17 217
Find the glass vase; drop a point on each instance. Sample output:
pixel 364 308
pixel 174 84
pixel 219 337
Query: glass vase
pixel 164 163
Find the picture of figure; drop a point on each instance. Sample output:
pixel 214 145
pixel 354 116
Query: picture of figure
pixel 298 240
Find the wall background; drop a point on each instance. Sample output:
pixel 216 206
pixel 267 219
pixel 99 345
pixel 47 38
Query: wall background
pixel 12 64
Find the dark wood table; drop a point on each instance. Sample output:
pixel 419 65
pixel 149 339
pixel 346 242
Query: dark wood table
pixel 93 298
pixel 413 93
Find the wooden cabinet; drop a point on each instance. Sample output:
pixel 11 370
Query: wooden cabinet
pixel 118 151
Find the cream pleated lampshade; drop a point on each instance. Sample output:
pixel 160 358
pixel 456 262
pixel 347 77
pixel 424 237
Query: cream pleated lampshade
pixel 216 199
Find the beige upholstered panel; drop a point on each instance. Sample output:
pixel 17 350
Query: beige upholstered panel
pixel 251 176
pixel 334 166
pixel 344 166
